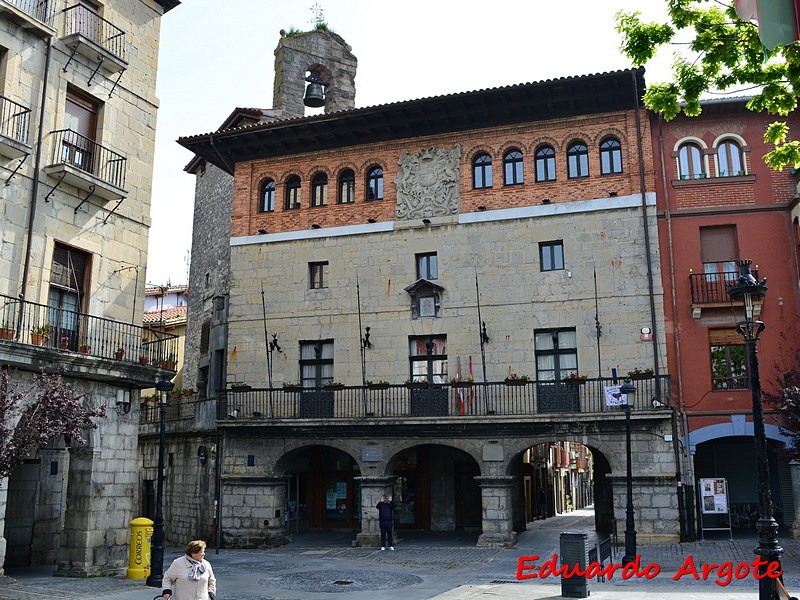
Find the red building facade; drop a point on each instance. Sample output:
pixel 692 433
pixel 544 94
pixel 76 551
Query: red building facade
pixel 718 203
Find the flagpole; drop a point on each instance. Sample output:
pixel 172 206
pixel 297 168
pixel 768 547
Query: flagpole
pixel 266 337
pixel 482 335
pixel 597 322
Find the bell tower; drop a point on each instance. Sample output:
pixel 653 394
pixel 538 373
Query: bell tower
pixel 315 68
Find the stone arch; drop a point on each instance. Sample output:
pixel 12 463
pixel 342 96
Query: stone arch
pixel 604 459
pixel 614 132
pixel 310 173
pixel 545 140
pixel 294 447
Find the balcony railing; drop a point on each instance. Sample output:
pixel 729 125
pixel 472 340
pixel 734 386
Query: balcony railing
pixel 64 330
pixel 74 149
pixel 397 401
pixel 81 20
pixel 14 120
pixel 41 10
pixel 708 288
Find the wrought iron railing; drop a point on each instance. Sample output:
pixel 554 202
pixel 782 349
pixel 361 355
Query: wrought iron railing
pixel 480 399
pixel 14 120
pixel 80 19
pixel 42 10
pixel 709 288
pixel 87 155
pixel 64 330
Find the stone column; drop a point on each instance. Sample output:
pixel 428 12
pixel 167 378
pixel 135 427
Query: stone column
pixel 372 488
pixel 794 472
pixel 252 512
pixel 655 507
pixel 496 495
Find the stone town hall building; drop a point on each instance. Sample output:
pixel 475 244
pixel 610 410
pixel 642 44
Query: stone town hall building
pixel 348 265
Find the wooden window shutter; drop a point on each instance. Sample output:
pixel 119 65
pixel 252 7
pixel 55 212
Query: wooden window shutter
pixel 724 337
pixel 718 244
pixel 80 115
pixel 205 333
pixel 69 268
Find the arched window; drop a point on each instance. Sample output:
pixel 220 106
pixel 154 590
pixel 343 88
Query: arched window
pixel 729 158
pixel 545 164
pixel 319 190
pixel 347 187
pixel 610 156
pixel 375 184
pixel 577 160
pixel 482 171
pixel 267 196
pixel 690 161
pixel 292 193
pixel 512 168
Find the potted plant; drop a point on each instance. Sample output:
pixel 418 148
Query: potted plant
pixel 292 387
pixel 461 383
pixel 638 373
pixel 84 348
pixel 142 359
pixel 39 335
pixel 514 379
pixel 63 343
pixel 419 384
pixel 574 378
pixel 119 353
pixel 169 363
pixel 7 332
pixel 378 385
pixel 188 392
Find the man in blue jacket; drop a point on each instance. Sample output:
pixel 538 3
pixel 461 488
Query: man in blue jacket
pixel 385 520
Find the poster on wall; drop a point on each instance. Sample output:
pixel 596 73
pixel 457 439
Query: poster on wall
pixel 714 493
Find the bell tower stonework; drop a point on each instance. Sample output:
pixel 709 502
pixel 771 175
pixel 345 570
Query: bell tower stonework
pixel 323 53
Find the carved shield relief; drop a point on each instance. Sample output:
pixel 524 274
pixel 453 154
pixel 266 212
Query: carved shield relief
pixel 427 183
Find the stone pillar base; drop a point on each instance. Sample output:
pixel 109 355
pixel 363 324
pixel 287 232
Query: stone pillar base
pixel 497 540
pixel 366 540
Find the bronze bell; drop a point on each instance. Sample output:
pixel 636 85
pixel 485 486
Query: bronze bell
pixel 315 95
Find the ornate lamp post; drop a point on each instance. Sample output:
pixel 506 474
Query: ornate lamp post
pixel 629 390
pixel 163 387
pixel 748 289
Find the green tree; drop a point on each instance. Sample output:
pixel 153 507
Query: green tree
pixel 32 416
pixel 726 56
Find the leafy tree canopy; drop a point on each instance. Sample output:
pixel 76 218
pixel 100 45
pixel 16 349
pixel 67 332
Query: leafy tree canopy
pixel 32 416
pixel 727 56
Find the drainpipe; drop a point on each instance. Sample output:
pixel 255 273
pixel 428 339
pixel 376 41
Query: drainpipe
pixel 684 491
pixel 35 191
pixel 656 367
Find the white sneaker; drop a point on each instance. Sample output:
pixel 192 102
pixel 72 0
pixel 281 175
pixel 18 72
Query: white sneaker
pixel 384 548
pixel 391 548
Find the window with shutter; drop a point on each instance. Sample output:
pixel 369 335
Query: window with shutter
pixel 80 121
pixel 719 251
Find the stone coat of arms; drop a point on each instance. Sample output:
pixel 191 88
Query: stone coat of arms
pixel 427 183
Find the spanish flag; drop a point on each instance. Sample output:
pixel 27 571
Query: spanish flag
pixel 777 20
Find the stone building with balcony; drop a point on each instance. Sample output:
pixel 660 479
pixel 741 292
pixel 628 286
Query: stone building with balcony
pixel 412 297
pixel 719 203
pixel 77 135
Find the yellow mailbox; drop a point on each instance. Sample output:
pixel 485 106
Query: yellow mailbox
pixel 141 536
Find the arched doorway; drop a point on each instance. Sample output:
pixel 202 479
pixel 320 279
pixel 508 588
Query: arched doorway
pixel 556 477
pixel 322 491
pixel 435 489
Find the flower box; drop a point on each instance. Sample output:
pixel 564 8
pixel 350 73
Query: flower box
pixel 462 384
pixel 378 386
pixel 515 382
pixel 416 385
pixel 640 376
pixel 574 380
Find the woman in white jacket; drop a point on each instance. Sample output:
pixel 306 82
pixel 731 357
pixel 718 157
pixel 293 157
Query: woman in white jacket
pixel 190 577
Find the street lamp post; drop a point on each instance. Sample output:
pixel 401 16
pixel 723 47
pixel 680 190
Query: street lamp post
pixel 748 289
pixel 164 387
pixel 629 390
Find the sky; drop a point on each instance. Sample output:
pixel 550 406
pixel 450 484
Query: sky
pixel 213 60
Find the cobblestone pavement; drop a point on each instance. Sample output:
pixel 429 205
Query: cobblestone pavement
pixel 442 566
